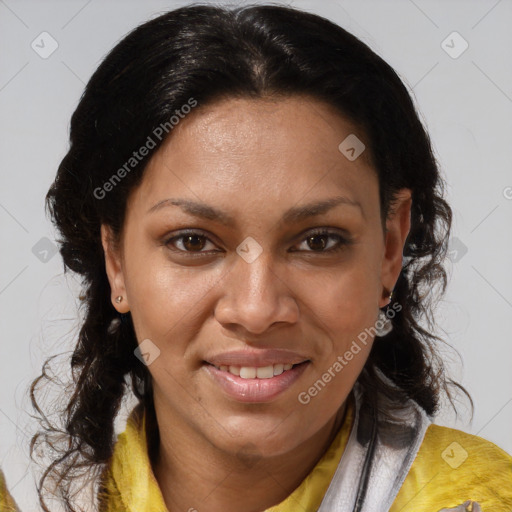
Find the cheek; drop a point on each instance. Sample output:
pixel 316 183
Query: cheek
pixel 167 302
pixel 343 302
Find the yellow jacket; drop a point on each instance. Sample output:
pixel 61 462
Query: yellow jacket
pixel 450 469
pixel 6 502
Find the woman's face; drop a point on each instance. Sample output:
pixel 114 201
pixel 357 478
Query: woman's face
pixel 223 270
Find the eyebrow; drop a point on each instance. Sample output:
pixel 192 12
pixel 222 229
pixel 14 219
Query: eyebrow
pixel 294 214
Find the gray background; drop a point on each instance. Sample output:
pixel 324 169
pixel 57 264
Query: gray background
pixel 466 103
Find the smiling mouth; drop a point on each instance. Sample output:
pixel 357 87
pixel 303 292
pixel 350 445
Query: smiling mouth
pixel 261 372
pixel 255 384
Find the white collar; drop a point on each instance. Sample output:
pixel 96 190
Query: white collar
pixel 382 459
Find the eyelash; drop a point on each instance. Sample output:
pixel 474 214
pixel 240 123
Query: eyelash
pixel 343 241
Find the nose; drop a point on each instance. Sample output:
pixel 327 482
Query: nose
pixel 254 298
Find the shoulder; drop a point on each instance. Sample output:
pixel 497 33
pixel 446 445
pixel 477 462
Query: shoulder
pixel 6 502
pixel 452 467
pixel 128 482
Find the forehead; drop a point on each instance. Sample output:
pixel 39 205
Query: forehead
pixel 237 127
pixel 258 150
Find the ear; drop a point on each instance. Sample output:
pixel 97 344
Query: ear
pixel 398 225
pixel 114 268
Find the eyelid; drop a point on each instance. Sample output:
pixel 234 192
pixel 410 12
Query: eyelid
pixel 344 239
pixel 189 232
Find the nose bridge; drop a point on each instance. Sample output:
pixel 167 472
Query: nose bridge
pixel 254 297
pixel 253 282
pixel 256 279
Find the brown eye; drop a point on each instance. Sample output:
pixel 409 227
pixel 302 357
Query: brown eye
pixel 317 242
pixel 188 242
pixel 193 242
pixel 324 242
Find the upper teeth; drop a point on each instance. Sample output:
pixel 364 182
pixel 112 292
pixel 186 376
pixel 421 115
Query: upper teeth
pixel 251 372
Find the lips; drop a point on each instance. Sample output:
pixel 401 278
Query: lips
pixel 256 358
pixel 255 376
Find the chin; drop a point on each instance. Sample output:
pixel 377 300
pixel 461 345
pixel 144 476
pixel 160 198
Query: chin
pixel 260 436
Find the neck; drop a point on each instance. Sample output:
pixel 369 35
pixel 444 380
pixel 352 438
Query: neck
pixel 195 475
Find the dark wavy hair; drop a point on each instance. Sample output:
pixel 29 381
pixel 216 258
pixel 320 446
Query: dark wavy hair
pixel 210 53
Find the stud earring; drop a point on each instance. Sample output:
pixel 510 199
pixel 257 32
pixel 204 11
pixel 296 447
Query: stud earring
pixel 119 298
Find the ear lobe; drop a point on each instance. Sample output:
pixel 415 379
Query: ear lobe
pixel 114 269
pixel 398 225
